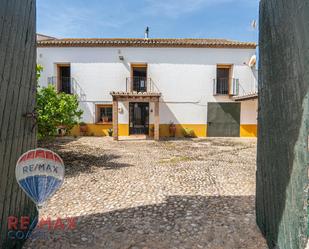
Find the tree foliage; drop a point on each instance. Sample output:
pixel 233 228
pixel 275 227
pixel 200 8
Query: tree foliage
pixel 55 109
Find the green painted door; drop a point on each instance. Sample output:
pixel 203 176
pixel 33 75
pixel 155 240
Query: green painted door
pixel 223 119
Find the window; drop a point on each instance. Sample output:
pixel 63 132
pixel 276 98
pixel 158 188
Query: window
pixel 64 79
pixel 222 84
pixel 104 113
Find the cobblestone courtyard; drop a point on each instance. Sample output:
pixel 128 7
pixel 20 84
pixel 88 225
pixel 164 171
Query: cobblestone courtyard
pixel 157 195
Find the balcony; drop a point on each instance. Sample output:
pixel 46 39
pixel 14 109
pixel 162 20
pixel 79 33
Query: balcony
pixel 140 85
pixel 66 85
pixel 222 86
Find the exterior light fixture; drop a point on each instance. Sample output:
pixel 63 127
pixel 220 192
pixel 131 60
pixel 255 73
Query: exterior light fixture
pixel 121 58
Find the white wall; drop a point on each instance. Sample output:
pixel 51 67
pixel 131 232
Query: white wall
pixel 249 110
pixel 184 76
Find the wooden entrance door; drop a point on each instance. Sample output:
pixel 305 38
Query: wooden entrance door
pixel 223 120
pixel 139 118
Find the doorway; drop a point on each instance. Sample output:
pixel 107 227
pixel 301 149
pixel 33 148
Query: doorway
pixel 223 120
pixel 139 118
pixel 64 79
pixel 139 77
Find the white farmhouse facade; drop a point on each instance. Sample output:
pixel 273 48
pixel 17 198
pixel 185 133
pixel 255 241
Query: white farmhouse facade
pixel 141 86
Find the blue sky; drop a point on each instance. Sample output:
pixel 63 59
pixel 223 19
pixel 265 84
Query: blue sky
pixel 166 18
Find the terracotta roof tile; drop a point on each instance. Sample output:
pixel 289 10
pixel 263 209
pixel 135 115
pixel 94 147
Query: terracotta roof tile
pixel 136 94
pixel 139 42
pixel 246 97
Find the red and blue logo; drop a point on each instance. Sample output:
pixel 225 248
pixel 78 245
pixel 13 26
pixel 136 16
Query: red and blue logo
pixel 40 173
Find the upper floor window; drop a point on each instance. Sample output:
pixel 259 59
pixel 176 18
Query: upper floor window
pixel 223 79
pixel 64 82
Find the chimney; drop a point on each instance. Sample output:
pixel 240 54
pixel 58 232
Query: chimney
pixel 147 33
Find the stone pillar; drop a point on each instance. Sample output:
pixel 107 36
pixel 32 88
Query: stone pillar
pixel 115 119
pixel 156 121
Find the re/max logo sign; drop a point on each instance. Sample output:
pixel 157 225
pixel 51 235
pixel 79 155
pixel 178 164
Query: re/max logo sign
pixel 21 228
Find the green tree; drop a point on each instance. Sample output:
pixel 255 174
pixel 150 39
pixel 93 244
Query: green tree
pixel 55 109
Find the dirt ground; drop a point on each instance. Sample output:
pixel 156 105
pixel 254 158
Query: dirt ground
pixel 195 193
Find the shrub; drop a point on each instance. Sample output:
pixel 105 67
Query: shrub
pixel 188 133
pixel 56 110
pixel 110 132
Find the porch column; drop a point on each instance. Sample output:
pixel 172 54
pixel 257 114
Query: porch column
pixel 115 119
pixel 156 121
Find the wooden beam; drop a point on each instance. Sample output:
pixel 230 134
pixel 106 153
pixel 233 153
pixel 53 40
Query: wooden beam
pixel 115 119
pixel 157 121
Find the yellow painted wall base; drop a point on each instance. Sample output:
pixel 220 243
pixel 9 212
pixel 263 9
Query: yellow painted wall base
pixel 93 130
pixel 100 130
pixel 198 130
pixel 248 130
pixel 123 130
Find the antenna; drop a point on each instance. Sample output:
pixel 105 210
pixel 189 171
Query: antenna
pixel 147 33
pixel 254 24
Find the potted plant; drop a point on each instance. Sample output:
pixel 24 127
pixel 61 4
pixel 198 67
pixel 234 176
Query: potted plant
pixel 110 132
pixel 83 127
pixel 172 129
pixel 188 133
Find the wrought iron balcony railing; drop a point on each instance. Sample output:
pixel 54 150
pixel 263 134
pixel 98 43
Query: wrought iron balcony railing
pixel 66 85
pixel 140 84
pixel 221 87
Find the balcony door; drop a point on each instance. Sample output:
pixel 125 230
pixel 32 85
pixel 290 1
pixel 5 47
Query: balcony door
pixel 223 79
pixel 139 77
pixel 64 79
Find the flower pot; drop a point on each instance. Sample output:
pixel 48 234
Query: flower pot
pixel 104 119
pixel 83 128
pixel 172 130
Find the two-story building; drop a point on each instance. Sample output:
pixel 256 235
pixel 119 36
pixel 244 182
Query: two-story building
pixel 141 86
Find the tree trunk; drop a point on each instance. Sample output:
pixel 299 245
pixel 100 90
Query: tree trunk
pixel 282 157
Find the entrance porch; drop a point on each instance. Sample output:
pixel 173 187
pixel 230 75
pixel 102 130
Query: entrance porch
pixel 139 112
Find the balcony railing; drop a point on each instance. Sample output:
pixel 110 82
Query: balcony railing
pixel 67 85
pixel 140 84
pixel 221 87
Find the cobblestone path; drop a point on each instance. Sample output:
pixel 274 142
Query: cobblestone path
pixel 154 195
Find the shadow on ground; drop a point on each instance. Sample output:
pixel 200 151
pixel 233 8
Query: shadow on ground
pixel 180 222
pixel 83 160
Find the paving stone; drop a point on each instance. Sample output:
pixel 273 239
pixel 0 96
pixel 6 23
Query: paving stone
pixel 196 193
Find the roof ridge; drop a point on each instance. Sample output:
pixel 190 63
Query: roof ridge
pixel 142 42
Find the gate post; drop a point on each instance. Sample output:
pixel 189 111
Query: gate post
pixel 17 98
pixel 283 123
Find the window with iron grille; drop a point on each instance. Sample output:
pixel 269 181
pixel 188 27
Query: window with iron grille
pixel 104 113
